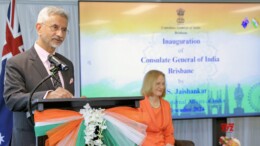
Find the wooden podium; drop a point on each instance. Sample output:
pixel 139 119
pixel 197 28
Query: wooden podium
pixel 77 103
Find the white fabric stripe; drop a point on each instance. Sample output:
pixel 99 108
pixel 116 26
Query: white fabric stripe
pixel 129 132
pixel 58 120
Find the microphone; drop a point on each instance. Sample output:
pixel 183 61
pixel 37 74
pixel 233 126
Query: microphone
pixel 57 63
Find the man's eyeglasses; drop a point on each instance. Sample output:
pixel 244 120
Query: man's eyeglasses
pixel 55 28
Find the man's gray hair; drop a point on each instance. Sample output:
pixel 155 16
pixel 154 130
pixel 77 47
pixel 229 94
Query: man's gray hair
pixel 46 12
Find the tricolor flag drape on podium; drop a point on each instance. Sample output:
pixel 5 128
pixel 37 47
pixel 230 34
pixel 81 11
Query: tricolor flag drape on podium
pixel 13 46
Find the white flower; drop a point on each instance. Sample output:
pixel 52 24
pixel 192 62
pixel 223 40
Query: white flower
pixel 93 120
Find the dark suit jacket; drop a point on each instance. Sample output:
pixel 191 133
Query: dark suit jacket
pixel 23 72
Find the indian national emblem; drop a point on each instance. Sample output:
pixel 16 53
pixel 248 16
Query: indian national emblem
pixel 180 13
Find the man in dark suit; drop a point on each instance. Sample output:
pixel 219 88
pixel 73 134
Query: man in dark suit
pixel 26 70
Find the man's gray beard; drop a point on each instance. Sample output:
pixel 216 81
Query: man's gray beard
pixel 55 46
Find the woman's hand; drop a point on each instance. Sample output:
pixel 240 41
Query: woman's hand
pixel 168 144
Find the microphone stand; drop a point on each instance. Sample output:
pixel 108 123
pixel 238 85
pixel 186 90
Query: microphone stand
pixel 54 71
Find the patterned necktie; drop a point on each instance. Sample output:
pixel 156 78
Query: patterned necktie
pixel 56 80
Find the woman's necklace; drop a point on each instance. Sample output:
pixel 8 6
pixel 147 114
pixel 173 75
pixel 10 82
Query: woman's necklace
pixel 155 103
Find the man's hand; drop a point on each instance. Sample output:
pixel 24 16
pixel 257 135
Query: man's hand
pixel 59 93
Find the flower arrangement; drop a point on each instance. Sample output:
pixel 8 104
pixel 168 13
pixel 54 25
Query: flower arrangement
pixel 223 140
pixel 95 124
pixel 92 127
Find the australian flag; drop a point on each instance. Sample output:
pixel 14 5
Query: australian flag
pixel 13 46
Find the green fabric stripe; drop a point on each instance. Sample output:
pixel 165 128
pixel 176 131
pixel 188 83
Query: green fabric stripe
pixel 42 130
pixel 116 133
pixel 108 138
pixel 81 135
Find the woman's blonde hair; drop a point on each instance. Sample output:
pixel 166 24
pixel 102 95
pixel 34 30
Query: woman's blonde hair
pixel 236 141
pixel 148 82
